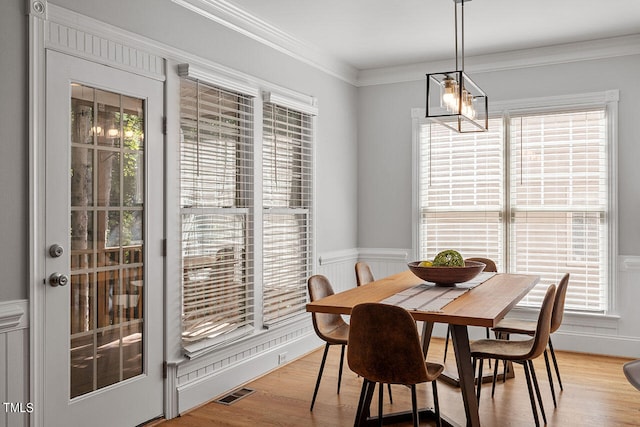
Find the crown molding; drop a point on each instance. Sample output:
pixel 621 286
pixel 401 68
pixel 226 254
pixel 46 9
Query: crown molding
pixel 535 57
pixel 224 13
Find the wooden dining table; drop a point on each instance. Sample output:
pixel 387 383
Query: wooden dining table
pixel 484 305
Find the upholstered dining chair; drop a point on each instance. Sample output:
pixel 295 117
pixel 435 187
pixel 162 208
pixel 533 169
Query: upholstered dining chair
pixel 522 352
pixel 363 277
pixel 508 326
pixel 490 266
pixel 331 328
pixel 632 372
pixel 363 273
pixel 384 347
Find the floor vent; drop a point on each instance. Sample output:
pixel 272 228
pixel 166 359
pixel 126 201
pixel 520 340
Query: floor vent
pixel 235 395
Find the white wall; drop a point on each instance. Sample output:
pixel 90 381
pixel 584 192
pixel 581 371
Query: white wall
pixel 385 146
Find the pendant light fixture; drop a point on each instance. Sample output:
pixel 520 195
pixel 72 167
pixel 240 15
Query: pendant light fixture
pixel 453 99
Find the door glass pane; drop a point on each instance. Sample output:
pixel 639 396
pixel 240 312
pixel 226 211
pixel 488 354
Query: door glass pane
pixel 107 241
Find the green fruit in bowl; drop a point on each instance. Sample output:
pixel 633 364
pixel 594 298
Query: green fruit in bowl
pixel 448 258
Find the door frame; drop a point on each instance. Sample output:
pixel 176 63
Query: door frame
pixel 80 39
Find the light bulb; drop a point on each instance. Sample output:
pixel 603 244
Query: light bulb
pixel 449 95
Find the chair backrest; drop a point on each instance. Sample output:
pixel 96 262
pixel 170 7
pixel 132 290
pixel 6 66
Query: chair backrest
pixel 558 305
pixel 363 273
pixel 543 326
pixel 490 264
pixel 323 323
pixel 384 345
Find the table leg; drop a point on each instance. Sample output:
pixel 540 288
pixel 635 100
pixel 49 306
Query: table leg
pixel 465 371
pixel 427 329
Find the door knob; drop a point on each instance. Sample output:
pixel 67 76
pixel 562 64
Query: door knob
pixel 58 279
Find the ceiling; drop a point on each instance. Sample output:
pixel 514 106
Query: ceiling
pixel 371 34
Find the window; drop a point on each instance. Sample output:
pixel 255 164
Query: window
pixel 533 193
pixel 216 209
pixel 246 223
pixel 287 173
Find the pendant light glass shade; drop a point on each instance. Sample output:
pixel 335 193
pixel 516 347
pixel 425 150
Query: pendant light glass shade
pixel 453 99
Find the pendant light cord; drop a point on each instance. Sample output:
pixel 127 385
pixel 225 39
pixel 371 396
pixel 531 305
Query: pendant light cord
pixel 455 20
pixel 462 34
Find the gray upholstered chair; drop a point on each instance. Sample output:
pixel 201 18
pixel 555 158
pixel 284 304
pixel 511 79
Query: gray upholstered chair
pixel 384 347
pixel 331 328
pixel 508 326
pixel 522 352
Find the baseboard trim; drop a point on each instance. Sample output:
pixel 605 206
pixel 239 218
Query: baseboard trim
pixel 201 390
pixel 618 346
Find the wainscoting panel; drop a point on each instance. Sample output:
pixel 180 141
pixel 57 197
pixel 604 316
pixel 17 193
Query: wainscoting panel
pixel 339 268
pixel 211 375
pixel 385 262
pixel 14 364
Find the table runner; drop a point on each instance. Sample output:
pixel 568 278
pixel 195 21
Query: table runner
pixel 429 297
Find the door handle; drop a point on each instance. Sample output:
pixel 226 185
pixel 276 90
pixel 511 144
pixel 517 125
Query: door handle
pixel 58 279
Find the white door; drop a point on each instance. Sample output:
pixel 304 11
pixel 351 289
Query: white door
pixel 103 299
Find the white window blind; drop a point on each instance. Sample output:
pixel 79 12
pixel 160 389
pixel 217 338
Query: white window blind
pixel 216 209
pixel 548 218
pixel 287 201
pixel 461 192
pixel 559 204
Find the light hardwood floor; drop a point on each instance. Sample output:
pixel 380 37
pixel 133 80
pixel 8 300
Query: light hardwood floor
pixel 596 393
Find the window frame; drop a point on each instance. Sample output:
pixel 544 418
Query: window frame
pixel 608 100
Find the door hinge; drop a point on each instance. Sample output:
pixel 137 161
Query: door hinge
pixel 164 125
pixel 164 247
pixel 164 370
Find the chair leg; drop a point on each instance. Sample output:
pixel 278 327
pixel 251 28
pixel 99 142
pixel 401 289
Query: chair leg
pixel 488 334
pixel 495 377
pixel 553 390
pixel 555 364
pixel 535 384
pixel 340 369
pixel 366 394
pixel 414 406
pixel 504 362
pixel 380 398
pixel 446 343
pixel 324 359
pixel 436 403
pixel 479 386
pixel 390 397
pixel 363 393
pixel 531 398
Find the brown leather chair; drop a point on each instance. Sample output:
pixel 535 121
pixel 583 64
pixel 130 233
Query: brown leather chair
pixel 363 277
pixel 384 347
pixel 363 273
pixel 490 266
pixel 522 352
pixel 509 326
pixel 331 328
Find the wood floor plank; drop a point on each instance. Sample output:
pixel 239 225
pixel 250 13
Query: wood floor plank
pixel 596 393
